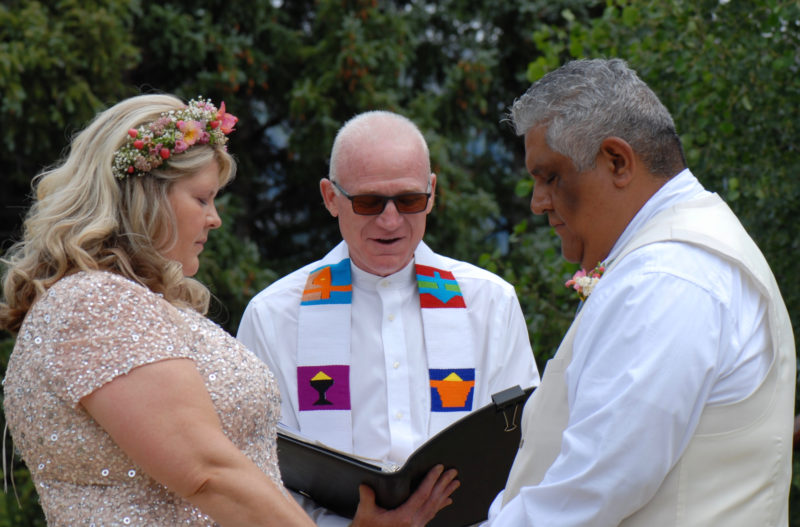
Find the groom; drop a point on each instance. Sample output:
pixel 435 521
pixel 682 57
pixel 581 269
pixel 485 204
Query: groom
pixel 383 342
pixel 670 400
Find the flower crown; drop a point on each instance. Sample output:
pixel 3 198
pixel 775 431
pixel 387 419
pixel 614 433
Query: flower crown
pixel 150 145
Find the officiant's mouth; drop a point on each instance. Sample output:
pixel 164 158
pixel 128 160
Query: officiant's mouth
pixel 387 241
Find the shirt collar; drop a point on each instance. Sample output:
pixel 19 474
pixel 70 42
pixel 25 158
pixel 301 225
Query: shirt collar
pixel 405 277
pixel 680 188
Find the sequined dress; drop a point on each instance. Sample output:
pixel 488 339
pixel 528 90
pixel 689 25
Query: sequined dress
pixel 86 330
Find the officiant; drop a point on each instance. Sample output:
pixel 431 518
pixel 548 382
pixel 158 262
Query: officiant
pixel 383 342
pixel 670 400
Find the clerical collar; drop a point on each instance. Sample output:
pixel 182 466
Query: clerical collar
pixel 405 277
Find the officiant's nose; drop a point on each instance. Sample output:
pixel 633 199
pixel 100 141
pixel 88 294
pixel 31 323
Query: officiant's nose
pixel 390 218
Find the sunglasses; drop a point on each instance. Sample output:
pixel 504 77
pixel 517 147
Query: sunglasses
pixel 373 204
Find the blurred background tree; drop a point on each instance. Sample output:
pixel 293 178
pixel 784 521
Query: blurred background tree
pixel 295 70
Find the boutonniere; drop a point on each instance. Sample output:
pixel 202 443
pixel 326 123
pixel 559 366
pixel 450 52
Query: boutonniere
pixel 584 282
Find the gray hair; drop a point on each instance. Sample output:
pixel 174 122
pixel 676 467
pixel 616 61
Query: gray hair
pixel 367 127
pixel 585 101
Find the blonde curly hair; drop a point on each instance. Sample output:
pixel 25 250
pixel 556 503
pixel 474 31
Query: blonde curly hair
pixel 85 219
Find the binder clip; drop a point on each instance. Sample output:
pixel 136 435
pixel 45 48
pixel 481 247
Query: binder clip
pixel 505 399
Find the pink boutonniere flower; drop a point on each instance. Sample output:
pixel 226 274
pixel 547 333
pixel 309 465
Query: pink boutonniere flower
pixel 584 282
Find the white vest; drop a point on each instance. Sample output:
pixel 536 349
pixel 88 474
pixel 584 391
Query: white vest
pixel 736 469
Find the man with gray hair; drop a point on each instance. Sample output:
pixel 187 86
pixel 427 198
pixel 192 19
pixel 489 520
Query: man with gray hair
pixel 670 399
pixel 400 340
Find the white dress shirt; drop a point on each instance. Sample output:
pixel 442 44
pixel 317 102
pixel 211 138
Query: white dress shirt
pixel 672 329
pixel 389 381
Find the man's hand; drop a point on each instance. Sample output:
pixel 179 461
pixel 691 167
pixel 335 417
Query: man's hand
pixel 432 496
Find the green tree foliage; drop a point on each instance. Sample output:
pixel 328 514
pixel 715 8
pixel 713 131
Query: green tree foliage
pixel 294 71
pixel 58 65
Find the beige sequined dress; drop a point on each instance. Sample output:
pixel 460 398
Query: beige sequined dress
pixel 86 330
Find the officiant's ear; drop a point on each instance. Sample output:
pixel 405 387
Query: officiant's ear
pixel 328 194
pixel 432 189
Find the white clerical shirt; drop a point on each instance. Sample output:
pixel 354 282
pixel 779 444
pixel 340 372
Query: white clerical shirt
pixel 389 381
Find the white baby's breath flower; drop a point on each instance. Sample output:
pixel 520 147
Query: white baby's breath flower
pixel 584 282
pixel 587 284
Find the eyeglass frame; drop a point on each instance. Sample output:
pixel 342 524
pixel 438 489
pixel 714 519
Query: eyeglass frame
pixel 386 199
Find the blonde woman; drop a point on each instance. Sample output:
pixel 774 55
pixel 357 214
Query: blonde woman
pixel 128 405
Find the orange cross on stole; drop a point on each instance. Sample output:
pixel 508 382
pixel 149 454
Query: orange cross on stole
pixel 320 285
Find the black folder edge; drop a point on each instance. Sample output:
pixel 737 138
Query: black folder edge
pixel 331 478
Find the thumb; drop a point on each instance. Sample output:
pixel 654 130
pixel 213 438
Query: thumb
pixel 366 498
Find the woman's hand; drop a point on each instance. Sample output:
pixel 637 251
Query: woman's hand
pixel 432 496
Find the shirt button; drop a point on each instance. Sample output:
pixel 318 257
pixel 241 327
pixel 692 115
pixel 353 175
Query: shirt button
pixel 398 415
pixel 391 318
pixel 396 365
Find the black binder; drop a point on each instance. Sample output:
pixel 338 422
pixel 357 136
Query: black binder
pixel 481 446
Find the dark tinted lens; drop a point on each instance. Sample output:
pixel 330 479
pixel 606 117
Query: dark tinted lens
pixel 369 204
pixel 410 203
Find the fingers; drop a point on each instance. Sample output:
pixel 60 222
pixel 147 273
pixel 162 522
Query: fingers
pixel 425 488
pixel 432 495
pixel 437 483
pixel 445 485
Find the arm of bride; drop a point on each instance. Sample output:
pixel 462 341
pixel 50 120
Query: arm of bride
pixel 162 417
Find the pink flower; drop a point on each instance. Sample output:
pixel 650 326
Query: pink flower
pixel 164 152
pixel 192 131
pixel 138 144
pixel 180 146
pixel 159 125
pixel 133 132
pixel 573 282
pixel 227 121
